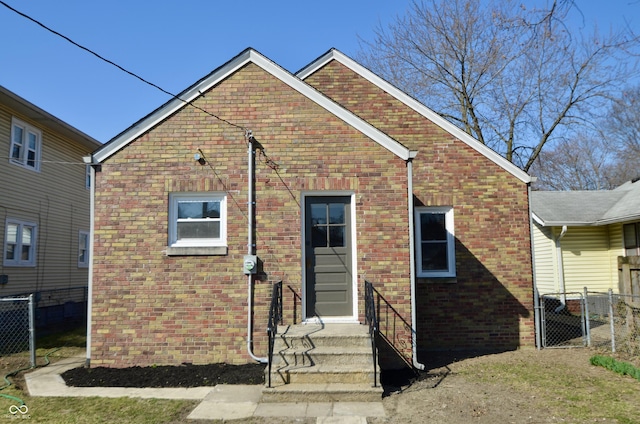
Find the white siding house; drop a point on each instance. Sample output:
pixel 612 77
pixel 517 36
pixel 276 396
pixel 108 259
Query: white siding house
pixel 578 237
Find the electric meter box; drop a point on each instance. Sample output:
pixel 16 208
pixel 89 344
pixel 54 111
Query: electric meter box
pixel 250 265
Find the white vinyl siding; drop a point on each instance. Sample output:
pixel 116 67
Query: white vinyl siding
pixel 55 199
pixel 545 260
pixel 586 259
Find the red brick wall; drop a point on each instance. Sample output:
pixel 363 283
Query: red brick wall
pixel 489 305
pixel 150 308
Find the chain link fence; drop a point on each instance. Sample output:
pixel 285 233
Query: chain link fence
pixel 595 319
pixel 17 326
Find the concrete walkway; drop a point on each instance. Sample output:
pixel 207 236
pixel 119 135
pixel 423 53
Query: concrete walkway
pixel 222 402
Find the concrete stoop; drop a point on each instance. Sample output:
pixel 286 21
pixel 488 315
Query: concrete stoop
pixel 323 363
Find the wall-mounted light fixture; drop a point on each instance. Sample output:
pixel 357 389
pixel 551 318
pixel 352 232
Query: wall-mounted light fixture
pixel 198 158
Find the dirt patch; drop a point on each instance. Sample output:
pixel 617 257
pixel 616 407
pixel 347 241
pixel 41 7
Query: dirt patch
pixel 166 376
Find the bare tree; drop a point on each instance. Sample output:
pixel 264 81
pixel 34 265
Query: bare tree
pixel 516 79
pixel 584 162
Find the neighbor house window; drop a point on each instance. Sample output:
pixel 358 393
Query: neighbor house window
pixel 20 243
pixel 87 176
pixel 632 239
pixel 83 249
pixel 25 145
pixel 435 251
pixel 197 219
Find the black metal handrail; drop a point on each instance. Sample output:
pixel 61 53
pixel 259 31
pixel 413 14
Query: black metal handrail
pixel 371 319
pixel 275 317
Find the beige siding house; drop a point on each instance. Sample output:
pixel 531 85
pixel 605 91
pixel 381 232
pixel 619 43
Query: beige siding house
pixel 579 235
pixel 44 204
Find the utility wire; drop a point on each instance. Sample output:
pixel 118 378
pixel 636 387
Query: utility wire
pixel 116 65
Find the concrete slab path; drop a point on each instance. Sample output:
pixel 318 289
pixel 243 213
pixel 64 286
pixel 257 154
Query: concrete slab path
pixel 222 402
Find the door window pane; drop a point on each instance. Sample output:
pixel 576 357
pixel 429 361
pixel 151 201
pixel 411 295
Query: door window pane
pixel 336 213
pixel 336 236
pixel 319 236
pixel 318 214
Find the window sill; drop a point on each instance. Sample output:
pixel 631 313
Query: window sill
pixel 437 280
pixel 197 251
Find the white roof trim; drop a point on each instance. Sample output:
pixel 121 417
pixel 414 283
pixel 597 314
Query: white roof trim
pixel 223 72
pixel 334 54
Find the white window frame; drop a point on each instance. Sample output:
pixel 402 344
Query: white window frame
pixel 23 159
pixel 451 256
pixel 83 245
pixel 18 262
pixel 175 198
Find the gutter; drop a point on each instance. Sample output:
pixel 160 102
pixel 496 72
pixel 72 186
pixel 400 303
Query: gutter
pixel 412 265
pixel 563 296
pixel 92 190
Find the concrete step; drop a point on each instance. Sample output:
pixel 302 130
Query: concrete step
pixel 317 335
pixel 326 355
pixel 322 374
pixel 330 392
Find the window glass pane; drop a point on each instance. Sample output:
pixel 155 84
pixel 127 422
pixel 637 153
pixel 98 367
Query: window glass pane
pixel 318 214
pixel 336 213
pixel 31 158
pixel 11 252
pixel 33 139
pixel 433 226
pixel 336 236
pixel 16 152
pixel 26 253
pixel 12 233
pixel 434 257
pixel 319 236
pixel 199 229
pixel 193 210
pixel 17 135
pixel 630 237
pixel 26 235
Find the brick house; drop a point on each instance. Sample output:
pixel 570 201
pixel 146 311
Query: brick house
pixel 330 177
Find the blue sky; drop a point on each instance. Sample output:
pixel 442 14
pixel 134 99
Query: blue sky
pixel 175 43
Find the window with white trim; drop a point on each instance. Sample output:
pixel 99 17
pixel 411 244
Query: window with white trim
pixel 435 242
pixel 83 249
pixel 197 219
pixel 20 243
pixel 26 143
pixel 632 239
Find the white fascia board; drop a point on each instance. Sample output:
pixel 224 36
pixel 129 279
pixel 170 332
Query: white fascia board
pixel 223 72
pixel 334 54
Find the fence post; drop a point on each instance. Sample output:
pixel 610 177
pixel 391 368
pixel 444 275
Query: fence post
pixel 586 317
pixel 612 323
pixel 32 331
pixel 536 317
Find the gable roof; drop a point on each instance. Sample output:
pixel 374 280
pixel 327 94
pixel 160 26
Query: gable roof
pixel 417 106
pixel 248 56
pixel 587 208
pixel 44 118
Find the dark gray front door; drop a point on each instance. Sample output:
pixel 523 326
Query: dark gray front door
pixel 328 288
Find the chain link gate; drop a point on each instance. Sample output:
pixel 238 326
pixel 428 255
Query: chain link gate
pixel 562 317
pixel 17 326
pixel 594 319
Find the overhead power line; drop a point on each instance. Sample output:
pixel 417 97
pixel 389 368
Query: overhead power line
pixel 110 62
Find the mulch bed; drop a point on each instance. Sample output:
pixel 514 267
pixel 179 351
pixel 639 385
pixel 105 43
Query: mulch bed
pixel 186 375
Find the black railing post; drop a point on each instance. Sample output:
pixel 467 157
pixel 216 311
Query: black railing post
pixel 372 320
pixel 275 317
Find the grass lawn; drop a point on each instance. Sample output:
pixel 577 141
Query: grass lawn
pixel 77 410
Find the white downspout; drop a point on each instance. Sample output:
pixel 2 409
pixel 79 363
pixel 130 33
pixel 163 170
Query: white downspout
pixel 563 296
pixel 412 267
pixel 250 247
pixel 92 184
